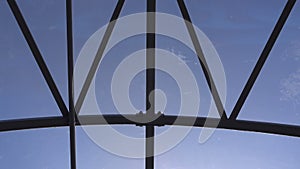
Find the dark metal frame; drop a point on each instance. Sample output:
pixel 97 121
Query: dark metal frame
pixel 68 117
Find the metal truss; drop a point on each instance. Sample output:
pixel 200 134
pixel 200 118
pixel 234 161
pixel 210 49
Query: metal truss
pixel 70 119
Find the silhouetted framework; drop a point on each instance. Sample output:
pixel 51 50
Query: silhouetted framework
pixel 68 117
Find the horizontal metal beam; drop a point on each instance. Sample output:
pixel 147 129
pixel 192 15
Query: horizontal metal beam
pixel 31 123
pixel 240 125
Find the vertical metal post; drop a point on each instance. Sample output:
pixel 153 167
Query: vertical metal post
pixel 150 82
pixel 70 85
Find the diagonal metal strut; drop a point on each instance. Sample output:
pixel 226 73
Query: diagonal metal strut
pixel 37 56
pixel 98 57
pixel 202 60
pixel 263 57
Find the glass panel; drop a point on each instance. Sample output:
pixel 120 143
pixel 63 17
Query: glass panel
pixel 88 17
pixel 92 156
pixel 114 56
pixel 276 94
pixel 108 81
pixel 49 31
pixel 232 149
pixel 39 148
pixel 238 30
pixel 116 59
pixel 132 7
pixel 169 7
pixel 174 79
pixel 23 90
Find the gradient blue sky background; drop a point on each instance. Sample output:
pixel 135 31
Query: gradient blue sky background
pixel 238 30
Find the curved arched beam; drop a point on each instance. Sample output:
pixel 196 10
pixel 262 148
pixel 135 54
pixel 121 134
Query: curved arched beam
pixel 240 125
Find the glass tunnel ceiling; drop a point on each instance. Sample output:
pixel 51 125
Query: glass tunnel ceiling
pixel 238 32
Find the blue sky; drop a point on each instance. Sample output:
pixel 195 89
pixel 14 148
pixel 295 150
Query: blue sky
pixel 237 29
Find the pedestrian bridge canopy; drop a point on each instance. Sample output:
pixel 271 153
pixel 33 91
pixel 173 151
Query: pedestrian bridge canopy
pixel 149 84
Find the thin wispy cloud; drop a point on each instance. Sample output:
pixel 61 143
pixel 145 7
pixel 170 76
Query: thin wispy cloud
pixel 290 88
pixel 52 27
pixel 181 56
pixel 292 51
pixel 248 61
